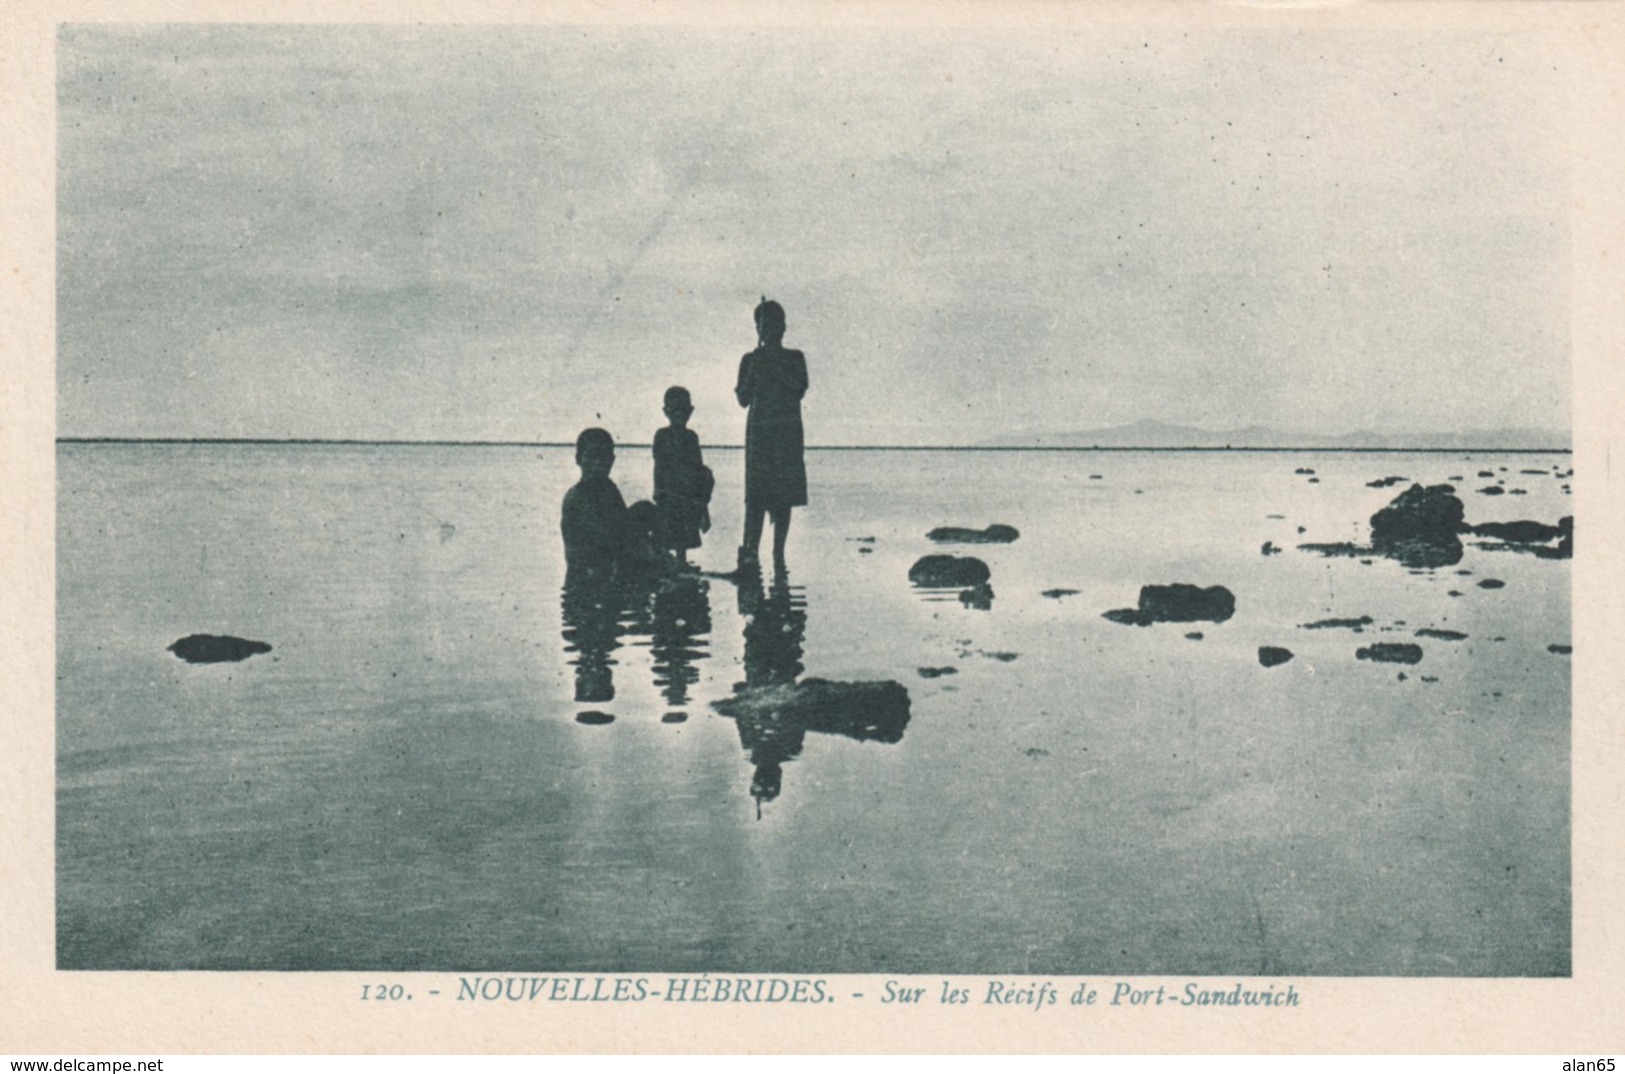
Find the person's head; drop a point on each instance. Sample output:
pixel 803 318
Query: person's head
pixel 595 453
pixel 769 321
pixel 678 406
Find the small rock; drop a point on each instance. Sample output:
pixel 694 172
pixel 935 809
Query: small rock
pixel 1177 603
pixel 594 718
pixel 1303 470
pixel 1331 624
pixel 1057 594
pixel 1492 490
pixel 979 597
pixel 1270 549
pixel 948 572
pixel 936 673
pixel 1560 650
pixel 1271 655
pixel 1385 482
pixel 1387 652
pixel 994 534
pixel 1035 752
pixel 1195 635
pixel 1443 635
pixel 674 717
pixel 1492 583
pixel 216 648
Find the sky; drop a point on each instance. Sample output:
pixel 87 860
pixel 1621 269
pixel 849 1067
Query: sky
pixel 512 233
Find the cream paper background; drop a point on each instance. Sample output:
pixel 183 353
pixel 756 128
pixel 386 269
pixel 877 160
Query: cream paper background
pixel 47 1013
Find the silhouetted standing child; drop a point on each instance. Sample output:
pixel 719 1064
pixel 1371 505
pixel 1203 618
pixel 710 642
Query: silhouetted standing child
pixel 683 483
pixel 771 382
pixel 593 519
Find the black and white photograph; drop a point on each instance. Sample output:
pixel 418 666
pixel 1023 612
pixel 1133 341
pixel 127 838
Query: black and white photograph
pixel 1012 498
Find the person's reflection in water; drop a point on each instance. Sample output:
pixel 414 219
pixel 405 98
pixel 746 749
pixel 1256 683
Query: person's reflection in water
pixel 681 621
pixel 775 628
pixel 591 608
pixel 774 708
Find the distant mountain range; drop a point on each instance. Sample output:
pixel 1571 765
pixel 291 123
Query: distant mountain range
pixel 1156 434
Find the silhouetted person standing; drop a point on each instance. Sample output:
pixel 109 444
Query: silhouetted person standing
pixel 772 381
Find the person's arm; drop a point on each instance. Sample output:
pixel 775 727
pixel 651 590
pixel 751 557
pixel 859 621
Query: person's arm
pixel 745 387
pixel 663 461
pixel 799 367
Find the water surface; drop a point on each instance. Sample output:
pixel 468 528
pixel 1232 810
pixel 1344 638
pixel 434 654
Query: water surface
pixel 405 780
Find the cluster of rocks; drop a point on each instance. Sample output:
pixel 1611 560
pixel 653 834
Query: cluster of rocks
pixel 1423 528
pixel 967 574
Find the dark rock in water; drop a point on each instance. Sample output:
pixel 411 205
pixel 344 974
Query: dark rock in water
pixel 1195 635
pixel 1271 655
pixel 1177 603
pixel 1419 528
pixel 1331 624
pixel 861 540
pixel 216 648
pixel 1560 650
pixel 1455 477
pixel 1454 593
pixel 594 718
pixel 1492 490
pixel 1181 603
pixel 865 550
pixel 1270 549
pixel 1403 676
pixel 1492 583
pixel 1003 658
pixel 994 534
pixel 1097 477
pixel 1388 652
pixel 1431 513
pixel 674 717
pixel 1531 537
pixel 1486 473
pixel 1278 517
pixel 1057 594
pixel 1522 531
pixel 1430 678
pixel 1443 635
pixel 1385 482
pixel 866 711
pixel 980 597
pixel 936 673
pixel 1314 481
pixel 1538 473
pixel 1516 492
pixel 949 572
pixel 1303 529
pixel 1303 470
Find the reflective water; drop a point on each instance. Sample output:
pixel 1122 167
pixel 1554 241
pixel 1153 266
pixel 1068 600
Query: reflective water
pixel 447 760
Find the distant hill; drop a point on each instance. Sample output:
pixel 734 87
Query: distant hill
pixel 1156 434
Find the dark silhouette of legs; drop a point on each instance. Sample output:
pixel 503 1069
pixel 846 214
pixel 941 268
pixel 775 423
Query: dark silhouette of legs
pixel 753 536
pixel 781 531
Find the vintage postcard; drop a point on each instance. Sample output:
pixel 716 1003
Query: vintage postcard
pixel 812 528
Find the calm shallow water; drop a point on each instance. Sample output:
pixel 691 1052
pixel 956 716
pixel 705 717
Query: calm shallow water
pixel 403 781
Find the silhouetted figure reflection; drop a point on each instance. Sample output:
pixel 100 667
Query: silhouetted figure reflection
pixel 592 608
pixel 774 711
pixel 680 623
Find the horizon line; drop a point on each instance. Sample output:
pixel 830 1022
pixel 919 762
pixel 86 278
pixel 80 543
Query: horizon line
pixel 358 442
